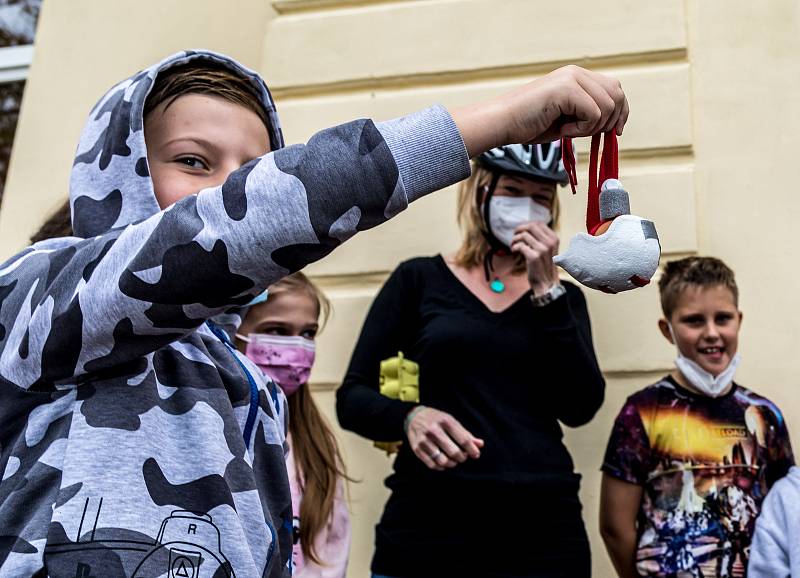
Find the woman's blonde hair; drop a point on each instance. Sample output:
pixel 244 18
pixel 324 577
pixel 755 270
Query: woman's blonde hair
pixel 474 247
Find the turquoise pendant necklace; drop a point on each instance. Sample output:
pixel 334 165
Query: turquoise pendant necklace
pixel 497 285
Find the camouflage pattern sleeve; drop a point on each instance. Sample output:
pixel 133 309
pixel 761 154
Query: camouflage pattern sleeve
pixel 95 303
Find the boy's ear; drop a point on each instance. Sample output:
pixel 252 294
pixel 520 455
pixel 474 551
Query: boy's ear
pixel 664 327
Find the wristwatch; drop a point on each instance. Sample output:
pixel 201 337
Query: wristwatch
pixel 548 297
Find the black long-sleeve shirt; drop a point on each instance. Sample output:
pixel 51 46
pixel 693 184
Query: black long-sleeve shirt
pixel 507 377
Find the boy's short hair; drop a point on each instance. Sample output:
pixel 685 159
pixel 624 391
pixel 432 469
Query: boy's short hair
pixel 204 78
pixel 680 274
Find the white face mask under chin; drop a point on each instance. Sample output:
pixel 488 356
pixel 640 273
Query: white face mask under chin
pixel 508 213
pixel 702 380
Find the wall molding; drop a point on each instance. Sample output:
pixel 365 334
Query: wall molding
pixel 284 7
pixel 460 77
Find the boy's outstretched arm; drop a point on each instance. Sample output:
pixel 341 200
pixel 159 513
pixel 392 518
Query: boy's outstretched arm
pixel 619 507
pixel 76 307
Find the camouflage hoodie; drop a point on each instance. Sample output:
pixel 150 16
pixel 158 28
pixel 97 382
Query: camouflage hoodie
pixel 134 439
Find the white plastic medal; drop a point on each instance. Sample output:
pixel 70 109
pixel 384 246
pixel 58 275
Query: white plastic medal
pixel 624 257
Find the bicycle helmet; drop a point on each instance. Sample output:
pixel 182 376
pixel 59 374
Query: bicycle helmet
pixel 538 161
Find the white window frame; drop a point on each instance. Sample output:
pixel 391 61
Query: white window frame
pixel 15 62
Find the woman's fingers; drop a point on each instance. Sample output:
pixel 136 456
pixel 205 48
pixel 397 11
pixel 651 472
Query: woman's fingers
pixel 538 237
pixel 537 243
pixel 538 230
pixel 525 238
pixel 465 440
pixel 540 267
pixel 447 446
pixel 428 456
pixel 525 250
pixel 439 441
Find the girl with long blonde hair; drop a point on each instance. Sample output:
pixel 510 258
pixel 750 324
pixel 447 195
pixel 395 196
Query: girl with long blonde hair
pixel 278 334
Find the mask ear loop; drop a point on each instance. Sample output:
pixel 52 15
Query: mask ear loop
pixel 483 205
pixel 495 244
pixel 675 341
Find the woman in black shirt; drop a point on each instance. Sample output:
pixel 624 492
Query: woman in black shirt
pixel 505 353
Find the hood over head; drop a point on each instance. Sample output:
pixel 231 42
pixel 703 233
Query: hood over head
pixel 110 185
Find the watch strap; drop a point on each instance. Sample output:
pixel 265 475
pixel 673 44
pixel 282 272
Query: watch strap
pixel 549 296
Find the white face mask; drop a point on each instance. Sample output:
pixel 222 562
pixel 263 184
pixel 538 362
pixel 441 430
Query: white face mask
pixel 508 213
pixel 700 378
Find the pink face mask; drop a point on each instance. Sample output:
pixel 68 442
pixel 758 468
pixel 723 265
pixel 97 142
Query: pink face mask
pixel 287 360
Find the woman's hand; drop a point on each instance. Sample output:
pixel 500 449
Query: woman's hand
pixel 570 101
pixel 538 243
pixel 439 440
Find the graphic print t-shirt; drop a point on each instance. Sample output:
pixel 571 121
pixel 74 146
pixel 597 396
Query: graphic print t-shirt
pixel 705 465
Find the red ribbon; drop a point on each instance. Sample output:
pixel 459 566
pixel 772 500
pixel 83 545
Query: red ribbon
pixel 609 169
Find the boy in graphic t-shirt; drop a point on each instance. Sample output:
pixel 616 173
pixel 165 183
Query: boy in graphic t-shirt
pixel 692 456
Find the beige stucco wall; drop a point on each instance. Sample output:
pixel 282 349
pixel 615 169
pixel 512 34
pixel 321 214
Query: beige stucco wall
pixel 708 153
